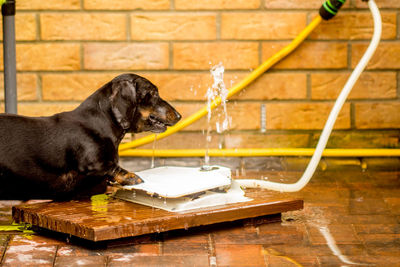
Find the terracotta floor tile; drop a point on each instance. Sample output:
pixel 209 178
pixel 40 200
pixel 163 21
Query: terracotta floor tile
pixel 380 238
pixel 367 206
pixel 344 260
pixel 34 240
pixel 239 255
pixel 195 235
pixel 185 248
pixel 383 248
pixel 87 261
pixel 377 228
pixel 364 219
pixel 235 234
pixel 360 209
pixel 3 243
pixel 148 261
pixel 393 204
pixel 278 233
pixel 29 255
pixel 340 234
pixel 77 251
pixel 284 261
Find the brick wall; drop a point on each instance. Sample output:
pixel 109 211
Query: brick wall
pixel 66 49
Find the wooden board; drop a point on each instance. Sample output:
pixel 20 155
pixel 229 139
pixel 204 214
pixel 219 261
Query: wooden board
pixel 113 218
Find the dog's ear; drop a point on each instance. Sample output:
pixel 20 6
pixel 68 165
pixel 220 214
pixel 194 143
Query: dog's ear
pixel 123 102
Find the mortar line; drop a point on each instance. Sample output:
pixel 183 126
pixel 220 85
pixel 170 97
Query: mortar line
pixel 262 5
pixel 38 31
pixel 398 84
pixel 128 27
pixel 81 60
pixel 211 250
pixel 398 25
pixel 352 116
pixel 107 260
pixel 3 255
pixel 349 55
pixel 39 89
pixel 55 256
pixel 171 56
pixel 218 27
pixel 308 86
pixel 172 5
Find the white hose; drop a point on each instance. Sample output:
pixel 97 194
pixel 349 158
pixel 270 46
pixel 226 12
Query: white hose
pixel 300 184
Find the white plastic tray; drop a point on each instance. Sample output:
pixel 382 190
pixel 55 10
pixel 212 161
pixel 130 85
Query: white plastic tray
pixel 175 182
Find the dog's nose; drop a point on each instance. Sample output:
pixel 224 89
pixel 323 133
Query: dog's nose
pixel 178 116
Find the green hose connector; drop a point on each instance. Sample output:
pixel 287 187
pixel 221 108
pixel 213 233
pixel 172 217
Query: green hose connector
pixel 330 8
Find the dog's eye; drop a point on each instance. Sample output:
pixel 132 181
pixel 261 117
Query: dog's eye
pixel 152 117
pixel 147 98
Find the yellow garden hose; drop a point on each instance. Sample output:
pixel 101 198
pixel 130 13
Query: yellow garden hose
pixel 234 90
pixel 260 152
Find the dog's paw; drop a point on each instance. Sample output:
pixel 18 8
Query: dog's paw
pixel 128 178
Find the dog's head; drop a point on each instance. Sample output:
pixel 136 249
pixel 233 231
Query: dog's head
pixel 137 106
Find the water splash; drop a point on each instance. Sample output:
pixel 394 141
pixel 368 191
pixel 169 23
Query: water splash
pixel 217 89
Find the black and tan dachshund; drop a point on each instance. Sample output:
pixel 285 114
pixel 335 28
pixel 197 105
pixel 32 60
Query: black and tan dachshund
pixel 74 154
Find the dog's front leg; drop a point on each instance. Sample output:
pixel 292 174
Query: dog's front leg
pixel 124 177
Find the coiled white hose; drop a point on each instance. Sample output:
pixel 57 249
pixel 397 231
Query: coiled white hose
pixel 309 172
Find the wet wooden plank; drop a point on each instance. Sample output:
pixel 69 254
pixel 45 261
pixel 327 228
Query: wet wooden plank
pixel 113 218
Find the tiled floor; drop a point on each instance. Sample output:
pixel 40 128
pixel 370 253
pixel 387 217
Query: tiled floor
pixel 350 218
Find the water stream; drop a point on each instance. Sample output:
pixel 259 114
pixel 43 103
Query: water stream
pixel 154 151
pixel 217 89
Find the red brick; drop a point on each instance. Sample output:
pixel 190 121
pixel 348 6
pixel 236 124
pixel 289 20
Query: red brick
pixel 266 141
pixel 216 4
pixel 25 252
pixel 274 86
pixel 193 86
pixel 46 56
pixel 264 26
pixel 233 55
pixel 355 26
pixel 68 26
pixel 25 27
pixel 173 26
pixel 304 116
pixel 377 115
pixel 380 4
pixel 309 55
pixel 244 116
pixel 45 5
pixel 74 86
pixel 99 56
pixel 239 255
pixel 370 85
pixel 127 4
pixel 26 87
pixel 295 4
pixel 360 139
pixel 167 260
pixel 92 261
pixel 386 56
pixel 43 109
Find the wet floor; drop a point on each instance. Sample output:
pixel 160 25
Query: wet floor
pixel 351 218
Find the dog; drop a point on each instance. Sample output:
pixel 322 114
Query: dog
pixel 74 154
